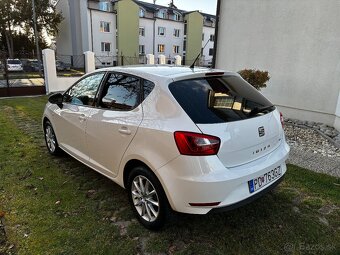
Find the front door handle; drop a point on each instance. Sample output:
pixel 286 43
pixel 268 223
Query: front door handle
pixel 124 131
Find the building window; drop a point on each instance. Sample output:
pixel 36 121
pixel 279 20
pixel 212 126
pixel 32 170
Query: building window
pixel 176 32
pixel 203 37
pixel 185 28
pixel 104 26
pixel 106 47
pixel 177 16
pixel 142 31
pixel 212 38
pixel 162 14
pixel 175 49
pixel 161 48
pixel 105 6
pixel 141 13
pixel 141 49
pixel 161 31
pixel 211 51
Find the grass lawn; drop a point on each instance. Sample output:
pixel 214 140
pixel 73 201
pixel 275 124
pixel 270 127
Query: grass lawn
pixel 54 205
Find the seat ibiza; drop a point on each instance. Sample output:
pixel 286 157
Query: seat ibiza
pixel 190 140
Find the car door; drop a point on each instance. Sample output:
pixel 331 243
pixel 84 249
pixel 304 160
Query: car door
pixel 113 124
pixel 70 120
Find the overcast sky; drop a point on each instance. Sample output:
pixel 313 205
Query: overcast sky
pixel 206 6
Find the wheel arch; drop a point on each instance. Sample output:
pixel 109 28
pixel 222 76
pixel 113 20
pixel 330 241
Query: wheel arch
pixel 132 163
pixel 45 119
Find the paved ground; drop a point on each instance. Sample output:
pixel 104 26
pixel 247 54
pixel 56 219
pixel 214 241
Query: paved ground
pixel 312 151
pixel 23 82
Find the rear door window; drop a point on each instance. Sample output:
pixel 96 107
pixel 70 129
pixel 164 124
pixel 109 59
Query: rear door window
pixel 121 92
pixel 219 99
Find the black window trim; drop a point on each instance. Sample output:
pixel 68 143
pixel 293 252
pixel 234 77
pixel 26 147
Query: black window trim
pixel 96 95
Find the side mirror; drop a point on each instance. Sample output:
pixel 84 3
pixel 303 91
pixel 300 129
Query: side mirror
pixel 56 99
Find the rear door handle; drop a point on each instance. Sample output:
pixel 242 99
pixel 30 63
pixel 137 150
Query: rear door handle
pixel 82 117
pixel 124 131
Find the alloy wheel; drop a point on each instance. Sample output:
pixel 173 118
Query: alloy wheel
pixel 50 138
pixel 145 198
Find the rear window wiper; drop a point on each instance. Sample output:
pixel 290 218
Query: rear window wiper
pixel 257 110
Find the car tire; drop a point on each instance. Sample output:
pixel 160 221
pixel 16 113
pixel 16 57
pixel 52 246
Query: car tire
pixel 51 139
pixel 147 198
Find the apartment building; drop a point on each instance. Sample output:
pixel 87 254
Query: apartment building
pixel 298 46
pixel 132 29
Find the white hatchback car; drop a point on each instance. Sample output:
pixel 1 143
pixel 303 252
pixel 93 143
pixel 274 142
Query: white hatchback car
pixel 14 65
pixel 192 140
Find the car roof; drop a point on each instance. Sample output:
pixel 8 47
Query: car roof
pixel 166 71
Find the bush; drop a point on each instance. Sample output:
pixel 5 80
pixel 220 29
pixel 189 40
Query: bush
pixel 256 78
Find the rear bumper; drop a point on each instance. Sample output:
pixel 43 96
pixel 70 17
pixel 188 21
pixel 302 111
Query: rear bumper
pixel 15 70
pixel 249 199
pixel 199 180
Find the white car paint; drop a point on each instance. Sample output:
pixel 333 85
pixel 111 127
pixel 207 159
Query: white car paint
pixel 107 140
pixel 14 65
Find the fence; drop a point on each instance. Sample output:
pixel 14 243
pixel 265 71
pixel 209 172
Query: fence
pixel 21 75
pixel 109 60
pixel 201 61
pixel 70 65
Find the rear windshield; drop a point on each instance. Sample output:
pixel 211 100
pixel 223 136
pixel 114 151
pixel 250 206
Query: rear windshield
pixel 14 62
pixel 219 99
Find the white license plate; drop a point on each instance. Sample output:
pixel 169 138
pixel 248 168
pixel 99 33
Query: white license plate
pixel 261 181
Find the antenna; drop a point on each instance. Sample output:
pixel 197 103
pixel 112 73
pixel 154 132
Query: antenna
pixel 199 54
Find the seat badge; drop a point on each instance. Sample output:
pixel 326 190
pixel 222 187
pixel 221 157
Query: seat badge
pixel 261 131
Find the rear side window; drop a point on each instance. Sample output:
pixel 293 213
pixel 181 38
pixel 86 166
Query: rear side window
pixel 219 99
pixel 14 62
pixel 147 87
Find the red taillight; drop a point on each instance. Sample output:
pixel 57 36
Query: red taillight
pixel 196 144
pixel 281 119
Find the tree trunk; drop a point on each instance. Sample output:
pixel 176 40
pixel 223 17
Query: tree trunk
pixel 9 46
pixel 9 41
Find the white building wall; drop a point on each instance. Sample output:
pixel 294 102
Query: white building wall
pixel 297 41
pixel 147 39
pixel 207 31
pixel 103 58
pixel 84 17
pixel 169 40
pixel 63 39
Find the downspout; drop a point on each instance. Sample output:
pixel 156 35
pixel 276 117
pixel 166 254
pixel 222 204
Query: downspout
pixel 91 31
pixel 154 36
pixel 216 32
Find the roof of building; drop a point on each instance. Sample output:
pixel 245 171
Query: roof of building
pixel 155 7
